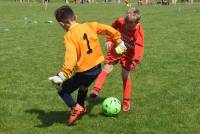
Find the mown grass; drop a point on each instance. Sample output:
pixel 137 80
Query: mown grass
pixel 165 97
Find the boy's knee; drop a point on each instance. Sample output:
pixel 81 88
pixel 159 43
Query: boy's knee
pixel 124 78
pixel 108 68
pixel 125 74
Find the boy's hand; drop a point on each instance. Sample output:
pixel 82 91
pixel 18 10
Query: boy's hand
pixel 58 79
pixel 121 48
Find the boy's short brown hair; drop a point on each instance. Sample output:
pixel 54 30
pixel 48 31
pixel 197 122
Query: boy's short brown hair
pixel 64 13
pixel 133 14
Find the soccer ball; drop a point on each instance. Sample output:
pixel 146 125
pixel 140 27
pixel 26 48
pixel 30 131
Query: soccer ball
pixel 111 106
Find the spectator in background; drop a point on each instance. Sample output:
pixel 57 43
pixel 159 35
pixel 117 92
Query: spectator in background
pixel 140 2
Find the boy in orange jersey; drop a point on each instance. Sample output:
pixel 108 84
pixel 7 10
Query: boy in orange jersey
pixel 83 57
pixel 133 37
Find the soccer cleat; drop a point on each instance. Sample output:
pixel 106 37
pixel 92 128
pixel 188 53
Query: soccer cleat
pixel 126 106
pixel 94 92
pixel 75 113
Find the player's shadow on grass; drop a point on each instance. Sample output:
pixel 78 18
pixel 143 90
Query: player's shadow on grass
pixel 92 102
pixel 49 118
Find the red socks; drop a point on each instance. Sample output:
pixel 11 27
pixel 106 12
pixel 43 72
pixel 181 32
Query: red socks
pixel 126 85
pixel 100 80
pixel 127 89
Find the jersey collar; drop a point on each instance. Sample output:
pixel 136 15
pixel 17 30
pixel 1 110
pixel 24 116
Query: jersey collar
pixel 73 25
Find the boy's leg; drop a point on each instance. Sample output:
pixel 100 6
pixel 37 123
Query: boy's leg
pixel 67 88
pixel 83 81
pixel 82 93
pixel 67 98
pixel 126 90
pixel 111 59
pixel 77 81
pixel 101 79
pixel 86 82
pixel 128 65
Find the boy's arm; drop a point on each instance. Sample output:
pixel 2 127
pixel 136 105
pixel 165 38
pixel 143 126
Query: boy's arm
pixel 106 30
pixel 115 25
pixel 139 45
pixel 113 33
pixel 70 58
pixel 69 63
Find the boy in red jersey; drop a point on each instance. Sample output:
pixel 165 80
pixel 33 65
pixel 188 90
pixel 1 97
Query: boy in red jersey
pixel 133 37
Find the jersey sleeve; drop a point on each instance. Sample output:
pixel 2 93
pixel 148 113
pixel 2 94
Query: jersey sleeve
pixel 116 26
pixel 139 44
pixel 106 30
pixel 70 58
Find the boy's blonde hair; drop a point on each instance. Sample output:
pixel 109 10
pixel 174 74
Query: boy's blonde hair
pixel 133 14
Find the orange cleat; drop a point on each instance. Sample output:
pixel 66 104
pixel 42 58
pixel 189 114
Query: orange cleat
pixel 76 111
pixel 126 106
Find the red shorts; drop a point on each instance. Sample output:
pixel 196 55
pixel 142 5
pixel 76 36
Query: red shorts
pixel 126 60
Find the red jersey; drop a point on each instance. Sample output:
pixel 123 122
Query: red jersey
pixel 134 40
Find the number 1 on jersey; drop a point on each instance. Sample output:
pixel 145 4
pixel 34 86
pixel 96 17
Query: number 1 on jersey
pixel 85 37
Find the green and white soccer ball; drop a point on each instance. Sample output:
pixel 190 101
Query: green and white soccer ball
pixel 111 106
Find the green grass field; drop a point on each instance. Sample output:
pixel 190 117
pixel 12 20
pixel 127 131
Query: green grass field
pixel 166 87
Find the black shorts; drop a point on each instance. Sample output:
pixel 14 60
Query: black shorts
pixel 81 79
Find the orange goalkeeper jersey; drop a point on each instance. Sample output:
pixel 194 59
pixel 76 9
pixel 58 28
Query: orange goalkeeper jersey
pixel 83 50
